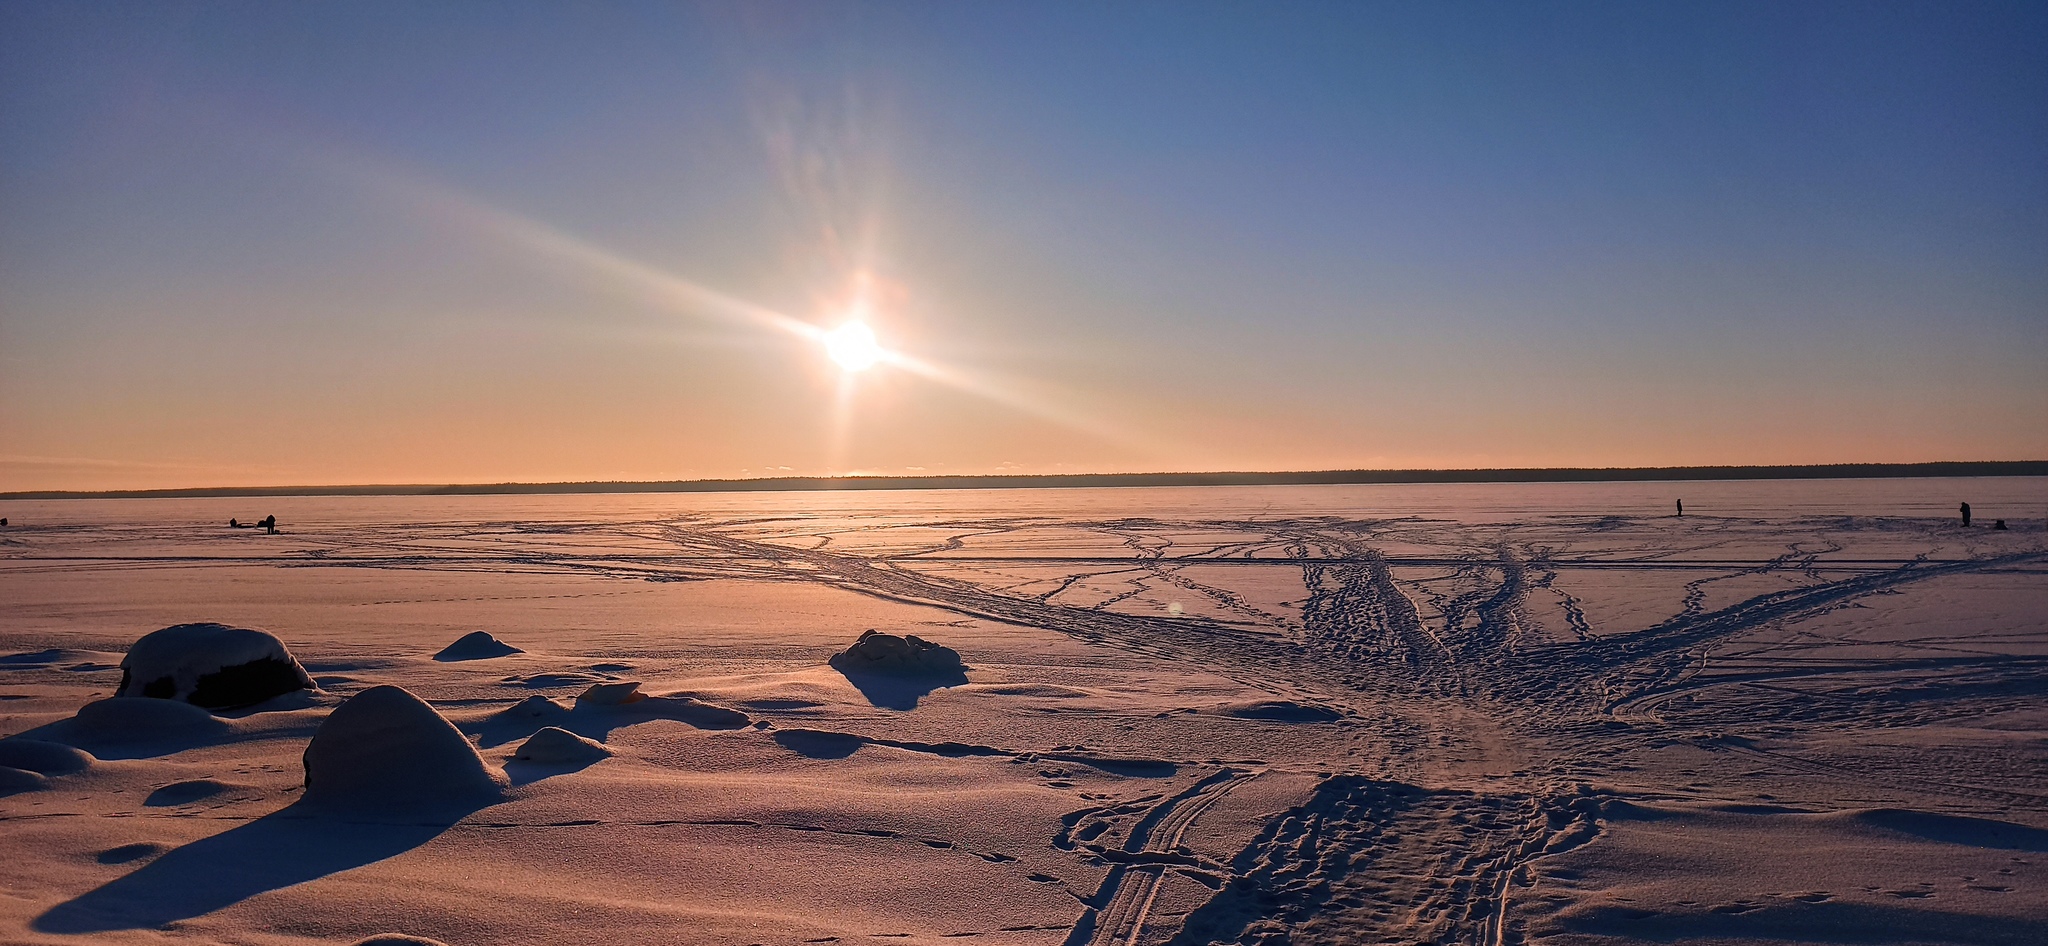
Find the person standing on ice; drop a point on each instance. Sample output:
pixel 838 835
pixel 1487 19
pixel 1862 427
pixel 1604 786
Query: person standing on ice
pixel 1681 508
pixel 1966 515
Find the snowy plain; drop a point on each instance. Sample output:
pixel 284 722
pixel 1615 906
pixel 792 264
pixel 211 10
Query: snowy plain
pixel 1805 711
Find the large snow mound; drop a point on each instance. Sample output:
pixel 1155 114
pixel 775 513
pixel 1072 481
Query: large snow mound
pixel 476 645
pixel 909 655
pixel 553 746
pixel 385 748
pixel 211 665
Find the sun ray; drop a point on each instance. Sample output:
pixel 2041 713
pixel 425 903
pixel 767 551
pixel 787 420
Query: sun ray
pixel 852 343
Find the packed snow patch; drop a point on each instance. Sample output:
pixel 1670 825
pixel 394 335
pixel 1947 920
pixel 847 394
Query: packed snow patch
pixel 476 645
pixel 553 746
pixel 211 665
pixel 908 655
pixel 385 748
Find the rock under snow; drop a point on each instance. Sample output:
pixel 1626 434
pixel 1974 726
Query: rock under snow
pixel 211 665
pixel 385 748
pixel 552 746
pixel 909 655
pixel 476 645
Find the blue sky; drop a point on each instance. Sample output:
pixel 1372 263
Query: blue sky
pixel 246 243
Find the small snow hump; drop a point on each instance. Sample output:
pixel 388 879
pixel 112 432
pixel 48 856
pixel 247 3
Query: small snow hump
pixel 611 694
pixel 909 655
pixel 1281 711
pixel 397 939
pixel 211 665
pixel 385 748
pixel 476 645
pixel 553 746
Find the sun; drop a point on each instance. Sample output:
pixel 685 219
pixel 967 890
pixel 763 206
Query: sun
pixel 853 346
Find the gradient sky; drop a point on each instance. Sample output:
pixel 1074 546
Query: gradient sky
pixel 356 242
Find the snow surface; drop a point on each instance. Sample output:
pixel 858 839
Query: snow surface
pixel 1535 714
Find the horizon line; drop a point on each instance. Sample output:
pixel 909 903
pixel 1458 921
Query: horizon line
pixel 1957 468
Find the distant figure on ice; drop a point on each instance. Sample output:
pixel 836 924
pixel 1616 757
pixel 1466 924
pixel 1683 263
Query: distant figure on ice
pixel 269 524
pixel 1966 515
pixel 236 524
pixel 3 521
pixel 1681 507
pixel 1998 524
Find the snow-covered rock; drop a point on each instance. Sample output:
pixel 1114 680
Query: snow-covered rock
pixel 552 746
pixel 385 748
pixel 909 655
pixel 211 665
pixel 476 645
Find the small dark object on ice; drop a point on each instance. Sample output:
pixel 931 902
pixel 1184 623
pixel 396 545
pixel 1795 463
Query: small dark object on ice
pixel 1966 514
pixel 1998 525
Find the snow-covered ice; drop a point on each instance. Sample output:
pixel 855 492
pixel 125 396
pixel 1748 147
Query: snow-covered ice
pixel 1542 714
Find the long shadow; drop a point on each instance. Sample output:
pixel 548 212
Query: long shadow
pixel 815 744
pixel 899 691
pixel 1959 829
pixel 295 845
pixel 1831 922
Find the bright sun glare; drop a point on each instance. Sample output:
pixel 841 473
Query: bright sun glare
pixel 853 346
